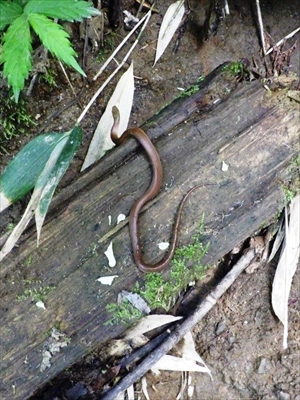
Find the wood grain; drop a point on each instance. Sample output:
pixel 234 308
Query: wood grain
pixel 256 137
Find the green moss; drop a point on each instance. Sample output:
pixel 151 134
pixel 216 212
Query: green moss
pixel 291 189
pixel 14 120
pixel 124 313
pixel 49 77
pixel 236 69
pixel 35 291
pixel 160 291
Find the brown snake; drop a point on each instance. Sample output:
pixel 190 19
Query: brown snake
pixel 151 192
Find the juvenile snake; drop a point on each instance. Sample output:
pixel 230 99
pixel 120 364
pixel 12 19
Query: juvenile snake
pixel 151 192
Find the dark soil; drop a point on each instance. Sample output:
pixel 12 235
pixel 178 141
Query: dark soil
pixel 245 356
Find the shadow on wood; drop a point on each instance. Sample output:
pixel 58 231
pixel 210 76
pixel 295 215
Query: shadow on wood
pixel 254 132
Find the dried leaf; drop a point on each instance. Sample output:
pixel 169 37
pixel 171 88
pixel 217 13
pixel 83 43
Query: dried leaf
pixel 172 363
pixel 168 27
pixel 107 280
pixel 278 240
pixel 122 98
pixel 148 323
pixel 144 388
pixel 110 255
pixel 120 218
pixel 163 245
pixel 188 351
pixel 287 266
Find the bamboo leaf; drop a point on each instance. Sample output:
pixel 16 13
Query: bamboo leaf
pixel 172 363
pixel 16 54
pixel 170 23
pixel 8 13
pixel 122 98
pixel 21 174
pixel 149 323
pixel 62 164
pixel 55 39
pixel 35 198
pixel 60 157
pixel 68 10
pixel 287 265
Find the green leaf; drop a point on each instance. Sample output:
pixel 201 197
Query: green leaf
pixel 55 39
pixel 20 176
pixel 16 54
pixel 8 13
pixel 61 151
pixel 56 174
pixel 69 10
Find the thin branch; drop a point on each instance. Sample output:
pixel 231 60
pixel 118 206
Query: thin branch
pixel 282 40
pixel 261 27
pixel 67 78
pixel 147 16
pixel 181 329
pixel 114 73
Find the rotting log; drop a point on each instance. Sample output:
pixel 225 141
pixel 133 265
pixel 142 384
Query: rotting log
pixel 255 133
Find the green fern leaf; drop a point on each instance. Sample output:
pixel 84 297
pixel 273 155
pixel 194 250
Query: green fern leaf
pixel 8 13
pixel 16 54
pixel 69 10
pixel 55 39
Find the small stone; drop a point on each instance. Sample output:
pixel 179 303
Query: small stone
pixel 221 326
pixel 231 339
pixel 264 366
pixel 283 395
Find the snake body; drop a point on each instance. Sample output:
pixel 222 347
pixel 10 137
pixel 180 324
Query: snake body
pixel 151 192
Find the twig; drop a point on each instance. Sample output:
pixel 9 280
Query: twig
pixel 147 16
pixel 140 8
pixel 114 73
pixel 181 328
pixel 261 27
pixel 67 78
pixel 282 40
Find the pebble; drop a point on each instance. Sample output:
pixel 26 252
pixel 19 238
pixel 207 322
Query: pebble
pixel 264 366
pixel 283 395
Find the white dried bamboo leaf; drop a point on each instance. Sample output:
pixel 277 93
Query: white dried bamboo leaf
pixel 121 396
pixel 188 351
pixel 278 241
pixel 168 27
pixel 184 378
pixel 122 98
pixel 172 363
pixel 148 323
pixel 130 392
pixel 144 388
pixel 287 266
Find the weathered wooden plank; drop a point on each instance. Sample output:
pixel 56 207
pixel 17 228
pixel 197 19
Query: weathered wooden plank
pixel 255 137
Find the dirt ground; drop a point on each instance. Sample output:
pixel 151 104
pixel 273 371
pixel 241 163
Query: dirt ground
pixel 240 340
